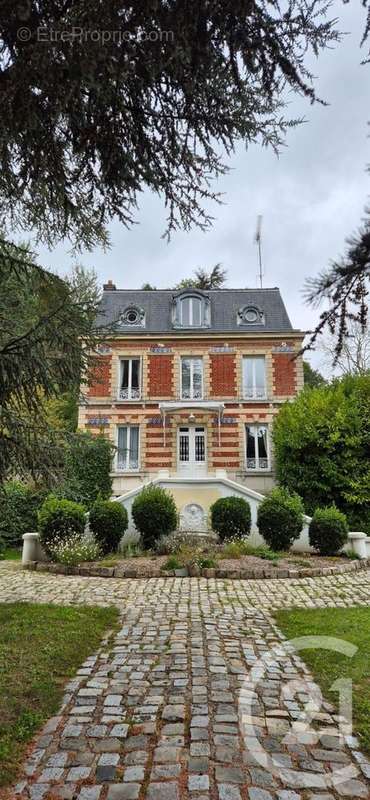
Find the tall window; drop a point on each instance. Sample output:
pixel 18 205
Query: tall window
pixel 254 377
pixel 191 378
pixel 128 447
pixel 191 312
pixel 257 455
pixel 129 387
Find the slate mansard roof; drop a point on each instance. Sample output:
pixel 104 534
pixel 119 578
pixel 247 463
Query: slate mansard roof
pixel 156 307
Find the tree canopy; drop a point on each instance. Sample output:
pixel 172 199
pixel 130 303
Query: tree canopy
pixel 312 377
pixel 214 279
pixel 100 100
pixel 47 342
pixel 344 287
pixel 322 448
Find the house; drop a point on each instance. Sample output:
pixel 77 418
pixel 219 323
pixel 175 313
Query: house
pixel 190 382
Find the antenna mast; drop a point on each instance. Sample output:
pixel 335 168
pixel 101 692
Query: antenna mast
pixel 258 241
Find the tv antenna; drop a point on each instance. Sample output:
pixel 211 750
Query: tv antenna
pixel 258 242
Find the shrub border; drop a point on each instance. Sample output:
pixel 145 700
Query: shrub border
pixel 240 574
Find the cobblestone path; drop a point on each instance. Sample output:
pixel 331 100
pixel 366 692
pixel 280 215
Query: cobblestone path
pixel 197 697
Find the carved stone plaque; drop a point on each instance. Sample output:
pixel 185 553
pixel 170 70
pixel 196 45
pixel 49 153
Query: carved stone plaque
pixel 193 518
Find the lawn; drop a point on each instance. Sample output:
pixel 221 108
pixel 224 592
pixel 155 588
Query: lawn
pixel 12 554
pixel 351 625
pixel 40 647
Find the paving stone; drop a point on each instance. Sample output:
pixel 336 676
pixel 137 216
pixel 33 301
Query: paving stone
pixel 90 793
pixel 50 774
pixel 198 782
pixel 78 773
pixel 133 774
pixel 352 788
pixel 105 772
pixel 228 792
pixel 120 791
pixel 255 793
pixel 165 771
pixel 230 775
pixel 160 791
pixel 286 794
pixel 181 664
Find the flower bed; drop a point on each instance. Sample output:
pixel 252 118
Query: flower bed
pixel 246 567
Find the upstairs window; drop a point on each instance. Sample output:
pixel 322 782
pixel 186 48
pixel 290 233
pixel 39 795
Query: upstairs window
pixel 257 450
pixel 191 378
pixel 254 377
pixel 129 386
pixel 191 311
pixel 128 448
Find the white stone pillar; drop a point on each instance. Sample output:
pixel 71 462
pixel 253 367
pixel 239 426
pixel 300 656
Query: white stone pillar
pixel 32 550
pixel 357 542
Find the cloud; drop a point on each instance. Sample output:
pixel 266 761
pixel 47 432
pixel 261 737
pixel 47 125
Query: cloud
pixel 311 197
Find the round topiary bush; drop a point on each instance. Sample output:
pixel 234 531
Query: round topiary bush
pixel 57 519
pixel 231 517
pixel 280 518
pixel 328 530
pixel 154 513
pixel 108 522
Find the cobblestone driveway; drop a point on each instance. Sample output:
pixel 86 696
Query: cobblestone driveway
pixel 169 707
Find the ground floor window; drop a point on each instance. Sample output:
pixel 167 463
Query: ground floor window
pixel 128 447
pixel 257 448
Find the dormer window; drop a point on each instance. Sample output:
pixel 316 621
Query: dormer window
pixel 250 315
pixel 191 311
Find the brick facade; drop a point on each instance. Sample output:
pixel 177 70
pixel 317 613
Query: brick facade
pixel 100 381
pixel 160 375
pixel 223 374
pixel 284 374
pixel 160 381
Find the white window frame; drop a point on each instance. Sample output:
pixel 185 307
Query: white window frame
pixel 192 359
pixel 130 359
pixel 191 299
pixel 257 425
pixel 254 395
pixel 127 467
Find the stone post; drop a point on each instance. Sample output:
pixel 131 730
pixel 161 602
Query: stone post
pixel 32 550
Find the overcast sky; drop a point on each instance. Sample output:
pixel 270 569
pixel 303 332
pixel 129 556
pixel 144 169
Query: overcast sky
pixel 311 198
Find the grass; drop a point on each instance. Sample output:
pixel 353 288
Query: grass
pixel 351 625
pixel 11 554
pixel 239 548
pixel 40 647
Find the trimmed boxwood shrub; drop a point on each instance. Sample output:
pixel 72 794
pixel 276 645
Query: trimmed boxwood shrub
pixel 231 517
pixel 328 530
pixel 108 522
pixel 57 519
pixel 154 513
pixel 280 518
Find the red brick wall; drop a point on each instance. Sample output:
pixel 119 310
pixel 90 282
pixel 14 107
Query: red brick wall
pixel 100 380
pixel 160 375
pixel 284 374
pixel 223 374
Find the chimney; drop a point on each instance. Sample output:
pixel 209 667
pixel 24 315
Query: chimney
pixel 109 287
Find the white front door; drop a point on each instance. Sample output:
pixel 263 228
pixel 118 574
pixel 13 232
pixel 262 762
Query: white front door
pixel 191 450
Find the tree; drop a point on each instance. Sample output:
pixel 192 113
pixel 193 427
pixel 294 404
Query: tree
pixel 214 279
pixel 354 358
pixel 312 377
pixel 322 448
pixel 345 288
pixel 90 116
pixel 147 287
pixel 47 341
